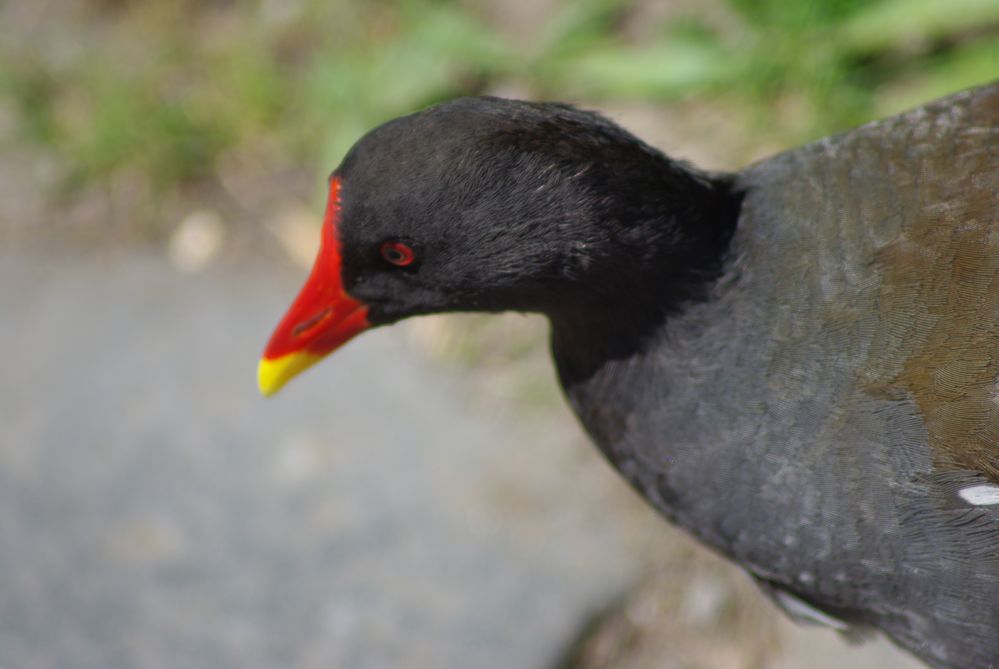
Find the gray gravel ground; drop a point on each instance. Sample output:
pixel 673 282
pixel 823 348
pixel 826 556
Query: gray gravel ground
pixel 155 512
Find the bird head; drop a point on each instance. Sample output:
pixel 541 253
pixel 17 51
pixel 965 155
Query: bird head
pixel 480 204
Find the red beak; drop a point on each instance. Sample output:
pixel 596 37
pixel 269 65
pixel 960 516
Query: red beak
pixel 321 319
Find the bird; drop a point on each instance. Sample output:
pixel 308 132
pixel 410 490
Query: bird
pixel 797 362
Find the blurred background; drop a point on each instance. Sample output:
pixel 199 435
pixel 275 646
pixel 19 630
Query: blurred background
pixel 423 499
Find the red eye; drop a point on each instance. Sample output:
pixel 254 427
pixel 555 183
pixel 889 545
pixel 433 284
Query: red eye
pixel 398 254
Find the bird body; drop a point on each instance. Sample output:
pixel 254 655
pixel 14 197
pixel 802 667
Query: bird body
pixel 797 363
pixel 817 417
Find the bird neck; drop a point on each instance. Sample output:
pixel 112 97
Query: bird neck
pixel 665 264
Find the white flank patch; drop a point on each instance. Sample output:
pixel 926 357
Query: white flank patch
pixel 804 611
pixel 980 495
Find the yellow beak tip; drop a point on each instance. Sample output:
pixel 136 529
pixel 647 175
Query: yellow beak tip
pixel 273 374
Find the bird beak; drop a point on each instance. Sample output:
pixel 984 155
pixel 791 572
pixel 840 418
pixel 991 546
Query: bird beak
pixel 321 319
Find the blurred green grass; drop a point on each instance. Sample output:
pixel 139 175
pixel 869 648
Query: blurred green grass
pixel 163 90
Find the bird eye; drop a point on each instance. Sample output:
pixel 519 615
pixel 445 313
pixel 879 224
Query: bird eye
pixel 398 254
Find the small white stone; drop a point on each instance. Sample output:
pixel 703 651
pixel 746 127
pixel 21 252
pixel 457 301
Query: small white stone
pixel 980 495
pixel 704 601
pixel 196 241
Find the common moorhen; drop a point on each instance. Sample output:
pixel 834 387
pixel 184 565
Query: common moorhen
pixel 798 362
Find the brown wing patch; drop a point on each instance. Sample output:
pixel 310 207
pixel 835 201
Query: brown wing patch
pixel 939 298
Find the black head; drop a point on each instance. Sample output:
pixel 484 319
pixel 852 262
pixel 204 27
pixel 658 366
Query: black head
pixel 485 204
pixel 507 205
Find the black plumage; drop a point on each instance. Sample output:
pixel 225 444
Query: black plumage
pixel 798 362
